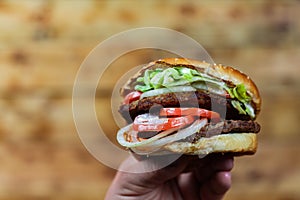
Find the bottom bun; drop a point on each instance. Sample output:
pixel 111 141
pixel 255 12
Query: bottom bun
pixel 236 143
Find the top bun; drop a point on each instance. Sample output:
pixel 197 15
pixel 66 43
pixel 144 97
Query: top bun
pixel 225 73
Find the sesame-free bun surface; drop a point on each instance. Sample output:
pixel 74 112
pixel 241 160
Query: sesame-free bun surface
pixel 235 143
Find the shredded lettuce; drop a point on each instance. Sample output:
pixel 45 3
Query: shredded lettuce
pixel 240 92
pixel 183 76
pixel 249 110
pixel 243 105
pixel 237 105
pixel 170 77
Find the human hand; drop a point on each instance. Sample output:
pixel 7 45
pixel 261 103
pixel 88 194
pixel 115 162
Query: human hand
pixel 187 178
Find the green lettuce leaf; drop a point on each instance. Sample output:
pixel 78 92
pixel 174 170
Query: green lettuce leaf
pixel 237 105
pixel 240 93
pixel 243 104
pixel 180 76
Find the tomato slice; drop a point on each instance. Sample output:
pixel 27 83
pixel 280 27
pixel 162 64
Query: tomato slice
pixel 148 122
pixel 132 96
pixel 200 112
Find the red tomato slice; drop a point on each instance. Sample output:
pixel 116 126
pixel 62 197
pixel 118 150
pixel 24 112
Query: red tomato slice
pixel 147 122
pixel 132 96
pixel 200 112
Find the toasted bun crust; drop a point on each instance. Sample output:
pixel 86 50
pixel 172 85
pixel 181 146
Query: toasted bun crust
pixel 235 143
pixel 225 73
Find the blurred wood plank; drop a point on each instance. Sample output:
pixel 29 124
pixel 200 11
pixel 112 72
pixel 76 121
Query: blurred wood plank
pixel 52 69
pixel 272 173
pixel 43 44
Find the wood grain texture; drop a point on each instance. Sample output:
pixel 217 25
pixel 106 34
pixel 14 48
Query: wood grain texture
pixel 43 43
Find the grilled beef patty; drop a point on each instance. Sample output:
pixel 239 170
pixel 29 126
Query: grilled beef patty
pixel 225 127
pixel 199 99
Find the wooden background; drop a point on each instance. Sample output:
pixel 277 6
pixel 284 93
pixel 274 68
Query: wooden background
pixel 43 43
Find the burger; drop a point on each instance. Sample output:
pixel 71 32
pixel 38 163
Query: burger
pixel 184 106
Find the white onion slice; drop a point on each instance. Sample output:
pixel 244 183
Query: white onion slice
pixel 128 130
pixel 181 134
pixel 160 91
pixel 149 148
pixel 120 135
